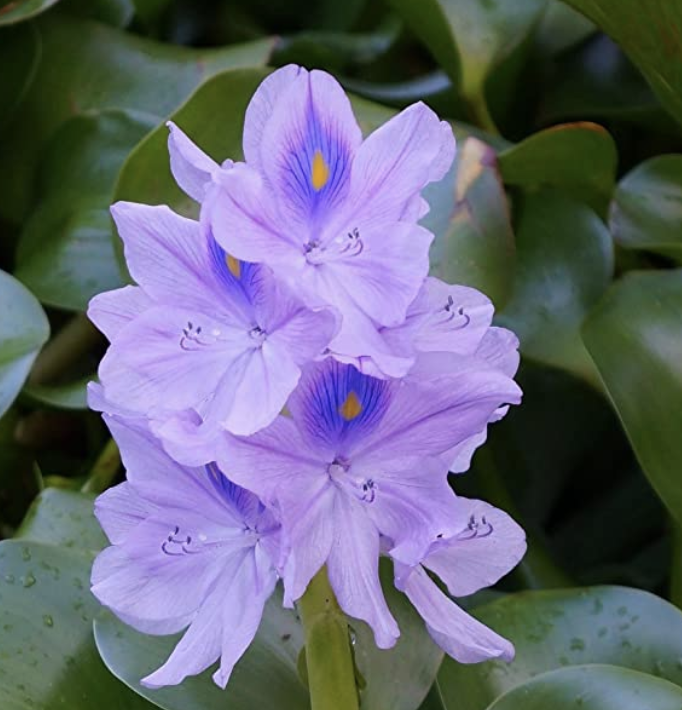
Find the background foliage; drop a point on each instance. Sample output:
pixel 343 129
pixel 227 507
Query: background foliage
pixel 564 205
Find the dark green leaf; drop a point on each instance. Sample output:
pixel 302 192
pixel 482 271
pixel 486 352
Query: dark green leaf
pixel 469 38
pixel 265 677
pixel 65 253
pixel 20 10
pixel 19 49
pixel 578 158
pixel 63 518
pixel 561 28
pixel 564 265
pixel 647 208
pixel 551 629
pixel 470 217
pixel 596 687
pixel 87 66
pixel 651 37
pixel 48 659
pixel 23 331
pixel 73 395
pixel 634 339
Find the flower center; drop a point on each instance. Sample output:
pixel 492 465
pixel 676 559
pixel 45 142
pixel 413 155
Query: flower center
pixel 363 489
pixel 258 336
pixel 341 247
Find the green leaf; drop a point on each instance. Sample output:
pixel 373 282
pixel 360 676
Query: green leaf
pixel 19 49
pixel 578 158
pixel 48 658
pixel 118 13
pixel 63 518
pixel 646 212
pixel 266 676
pixel 398 678
pixel 561 28
pixel 73 395
pixel 65 253
pixel 557 628
pixel 596 687
pixel 470 217
pixel 651 40
pixel 564 265
pixel 20 10
pixel 23 331
pixel 634 339
pixel 88 66
pixel 469 38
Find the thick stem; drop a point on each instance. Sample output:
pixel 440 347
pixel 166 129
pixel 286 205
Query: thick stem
pixel 331 671
pixel 105 469
pixel 480 115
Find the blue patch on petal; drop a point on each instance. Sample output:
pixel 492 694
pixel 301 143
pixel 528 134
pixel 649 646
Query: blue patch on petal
pixel 243 502
pixel 340 405
pixel 241 280
pixel 316 166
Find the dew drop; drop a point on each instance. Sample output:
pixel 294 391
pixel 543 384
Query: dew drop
pixel 29 580
pixel 48 620
pixel 26 554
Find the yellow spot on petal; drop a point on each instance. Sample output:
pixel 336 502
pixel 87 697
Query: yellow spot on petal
pixel 351 408
pixel 319 171
pixel 234 265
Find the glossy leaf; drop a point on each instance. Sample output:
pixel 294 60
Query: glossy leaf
pixel 17 11
pixel 561 28
pixel 650 39
pixel 470 217
pixel 646 212
pixel 266 676
pixel 469 38
pixel 73 395
pixel 398 678
pixel 552 629
pixel 19 49
pixel 596 687
pixel 23 331
pixel 579 158
pixel 88 66
pixel 47 653
pixel 634 339
pixel 65 254
pixel 564 265
pixel 63 518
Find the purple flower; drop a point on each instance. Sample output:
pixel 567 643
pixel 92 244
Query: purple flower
pixel 189 550
pixel 333 215
pixel 361 458
pixel 204 332
pixel 487 545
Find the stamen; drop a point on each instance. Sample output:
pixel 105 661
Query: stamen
pixel 368 491
pixel 474 529
pixel 342 247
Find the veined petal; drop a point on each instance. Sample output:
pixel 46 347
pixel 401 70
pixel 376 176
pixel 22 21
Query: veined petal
pixel 112 310
pixel 500 349
pixel 269 458
pixel 381 275
pixel 397 161
pixel 240 213
pixel 261 108
pixel 243 603
pixel 200 646
pixel 353 567
pixel 429 418
pixel 170 358
pixel 191 167
pixel 307 149
pixel 309 521
pixel 335 405
pixel 489 546
pixel 119 510
pixel 458 634
pixel 444 318
pixel 166 254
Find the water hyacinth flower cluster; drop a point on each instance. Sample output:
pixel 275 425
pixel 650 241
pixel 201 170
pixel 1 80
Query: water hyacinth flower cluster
pixel 290 390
